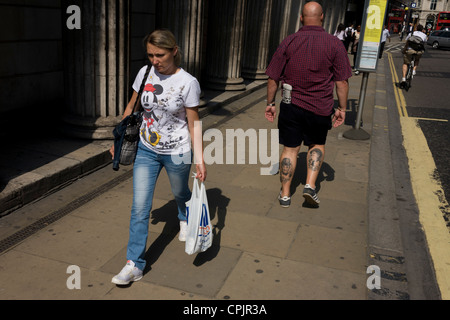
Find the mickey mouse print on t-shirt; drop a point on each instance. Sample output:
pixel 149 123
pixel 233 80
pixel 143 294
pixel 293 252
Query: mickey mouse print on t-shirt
pixel 149 103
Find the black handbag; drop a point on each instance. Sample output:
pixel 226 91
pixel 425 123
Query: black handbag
pixel 126 133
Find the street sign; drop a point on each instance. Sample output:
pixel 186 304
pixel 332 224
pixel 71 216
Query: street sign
pixel 370 37
pixel 413 5
pixel 367 57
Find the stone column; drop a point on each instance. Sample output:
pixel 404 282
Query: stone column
pixel 279 24
pixel 185 20
pixel 96 68
pixel 257 35
pixel 332 12
pixel 224 45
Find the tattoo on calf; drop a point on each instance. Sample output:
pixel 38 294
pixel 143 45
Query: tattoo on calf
pixel 285 170
pixel 315 159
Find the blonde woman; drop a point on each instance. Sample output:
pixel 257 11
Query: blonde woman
pixel 170 103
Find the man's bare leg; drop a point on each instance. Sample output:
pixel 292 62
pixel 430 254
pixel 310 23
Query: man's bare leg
pixel 288 162
pixel 316 155
pixel 314 160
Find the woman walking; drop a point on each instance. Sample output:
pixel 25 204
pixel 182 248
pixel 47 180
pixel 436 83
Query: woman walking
pixel 170 103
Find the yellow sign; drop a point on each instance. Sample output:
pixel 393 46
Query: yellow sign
pixel 375 18
pixel 372 28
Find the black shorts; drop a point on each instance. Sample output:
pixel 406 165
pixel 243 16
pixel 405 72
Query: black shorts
pixel 297 125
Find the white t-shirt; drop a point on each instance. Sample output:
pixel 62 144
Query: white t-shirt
pixel 385 35
pixel 347 30
pixel 164 127
pixel 420 34
pixel 340 35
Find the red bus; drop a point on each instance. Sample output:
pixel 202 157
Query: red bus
pixel 443 20
pixel 395 20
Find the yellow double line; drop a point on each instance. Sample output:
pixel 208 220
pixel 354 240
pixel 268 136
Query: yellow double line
pixel 399 97
pixel 425 188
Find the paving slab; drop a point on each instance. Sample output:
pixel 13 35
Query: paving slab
pixel 260 250
pixel 261 277
pixel 27 276
pixel 169 266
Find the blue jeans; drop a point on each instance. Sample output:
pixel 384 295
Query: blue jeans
pixel 147 167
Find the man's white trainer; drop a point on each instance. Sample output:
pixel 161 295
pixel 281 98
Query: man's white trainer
pixel 128 274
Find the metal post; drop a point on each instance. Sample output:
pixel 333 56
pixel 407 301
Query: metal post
pixel 357 133
pixel 362 97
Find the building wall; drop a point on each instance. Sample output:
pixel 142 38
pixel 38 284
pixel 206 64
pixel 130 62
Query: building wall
pixel 426 14
pixel 31 55
pixel 34 76
pixel 31 68
pixel 143 17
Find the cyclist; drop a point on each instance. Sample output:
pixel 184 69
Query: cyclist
pixel 415 45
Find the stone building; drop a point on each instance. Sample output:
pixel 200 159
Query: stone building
pixel 428 11
pixel 422 12
pixel 54 74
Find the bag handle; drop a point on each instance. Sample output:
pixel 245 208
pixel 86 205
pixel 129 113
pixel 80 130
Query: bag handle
pixel 196 188
pixel 141 89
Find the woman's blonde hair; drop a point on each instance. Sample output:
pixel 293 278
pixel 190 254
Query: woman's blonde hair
pixel 164 39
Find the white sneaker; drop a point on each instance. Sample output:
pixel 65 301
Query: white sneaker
pixel 183 231
pixel 414 72
pixel 129 273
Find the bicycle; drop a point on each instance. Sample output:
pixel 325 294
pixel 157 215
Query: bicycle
pixel 409 73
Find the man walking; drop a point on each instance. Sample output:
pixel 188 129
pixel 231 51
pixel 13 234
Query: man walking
pixel 384 36
pixel 349 36
pixel 310 62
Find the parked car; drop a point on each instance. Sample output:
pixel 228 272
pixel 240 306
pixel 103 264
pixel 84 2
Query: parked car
pixel 439 39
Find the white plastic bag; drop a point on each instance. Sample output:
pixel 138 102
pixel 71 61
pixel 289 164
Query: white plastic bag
pixel 199 235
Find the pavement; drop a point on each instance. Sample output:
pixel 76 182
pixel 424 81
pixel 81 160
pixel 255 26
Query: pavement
pixel 66 216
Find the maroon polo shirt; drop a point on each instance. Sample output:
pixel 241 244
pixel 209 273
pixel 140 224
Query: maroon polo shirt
pixel 311 60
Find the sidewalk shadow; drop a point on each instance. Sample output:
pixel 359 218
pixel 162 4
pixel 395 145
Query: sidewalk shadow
pixel 326 173
pixel 22 154
pixel 352 112
pixel 168 214
pixel 218 204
